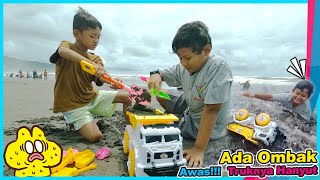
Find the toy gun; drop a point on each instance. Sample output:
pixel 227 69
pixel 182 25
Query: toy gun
pixel 89 68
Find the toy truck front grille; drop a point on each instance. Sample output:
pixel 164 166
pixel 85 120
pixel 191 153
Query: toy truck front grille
pixel 163 155
pixel 164 171
pixel 157 157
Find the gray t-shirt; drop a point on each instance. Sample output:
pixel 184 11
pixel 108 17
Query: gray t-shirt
pixel 285 100
pixel 210 85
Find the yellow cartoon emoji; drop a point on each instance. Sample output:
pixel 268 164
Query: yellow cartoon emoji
pixel 32 154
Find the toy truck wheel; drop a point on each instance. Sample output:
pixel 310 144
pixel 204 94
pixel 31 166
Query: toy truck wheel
pixel 242 114
pixel 263 119
pixel 126 142
pixel 132 164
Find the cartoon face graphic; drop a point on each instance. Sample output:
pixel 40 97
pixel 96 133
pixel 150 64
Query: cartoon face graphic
pixel 32 154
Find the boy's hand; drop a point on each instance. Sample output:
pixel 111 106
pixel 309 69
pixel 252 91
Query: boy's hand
pixel 155 82
pixel 194 156
pixel 100 71
pixel 115 86
pixel 248 94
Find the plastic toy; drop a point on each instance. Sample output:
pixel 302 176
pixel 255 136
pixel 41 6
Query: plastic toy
pixel 154 144
pixel 145 79
pixel 153 91
pixel 86 66
pixel 160 94
pixel 74 151
pixel 90 167
pixel 254 128
pixel 103 153
pixel 65 161
pixel 66 171
pixel 80 159
pixel 84 158
pixel 73 171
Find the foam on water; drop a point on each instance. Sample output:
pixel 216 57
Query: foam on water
pixel 266 80
pixel 236 79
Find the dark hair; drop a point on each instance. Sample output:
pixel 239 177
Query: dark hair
pixel 193 35
pixel 305 85
pixel 83 20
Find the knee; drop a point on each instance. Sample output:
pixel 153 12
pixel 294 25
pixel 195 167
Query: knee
pixel 126 100
pixel 122 98
pixel 95 137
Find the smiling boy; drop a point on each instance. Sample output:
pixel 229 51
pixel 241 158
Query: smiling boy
pixel 297 100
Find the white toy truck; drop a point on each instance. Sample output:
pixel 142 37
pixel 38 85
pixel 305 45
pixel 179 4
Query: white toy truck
pixel 154 145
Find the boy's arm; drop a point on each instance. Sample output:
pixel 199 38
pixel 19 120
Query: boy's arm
pixel 71 55
pixel 263 96
pixel 97 80
pixel 207 122
pixel 65 52
pixel 171 76
pixel 161 75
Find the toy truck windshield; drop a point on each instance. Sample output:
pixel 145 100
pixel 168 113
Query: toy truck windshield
pixel 171 138
pixel 153 139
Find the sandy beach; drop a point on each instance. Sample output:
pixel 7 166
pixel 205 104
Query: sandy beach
pixel 28 102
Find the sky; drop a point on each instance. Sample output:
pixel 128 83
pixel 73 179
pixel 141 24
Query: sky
pixel 255 39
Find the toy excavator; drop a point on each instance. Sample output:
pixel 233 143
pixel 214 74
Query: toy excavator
pixel 254 128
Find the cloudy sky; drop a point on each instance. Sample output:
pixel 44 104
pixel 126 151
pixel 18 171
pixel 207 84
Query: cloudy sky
pixel 256 39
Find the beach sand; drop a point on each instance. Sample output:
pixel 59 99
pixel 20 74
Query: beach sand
pixel 28 102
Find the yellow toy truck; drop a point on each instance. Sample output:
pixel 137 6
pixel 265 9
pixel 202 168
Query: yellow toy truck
pixel 254 128
pixel 154 145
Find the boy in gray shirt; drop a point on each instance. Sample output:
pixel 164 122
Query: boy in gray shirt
pixel 206 84
pixel 297 101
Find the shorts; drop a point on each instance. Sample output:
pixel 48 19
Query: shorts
pixel 102 105
pixel 178 106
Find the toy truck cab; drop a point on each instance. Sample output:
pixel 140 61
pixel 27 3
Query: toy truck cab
pixel 154 145
pixel 254 128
